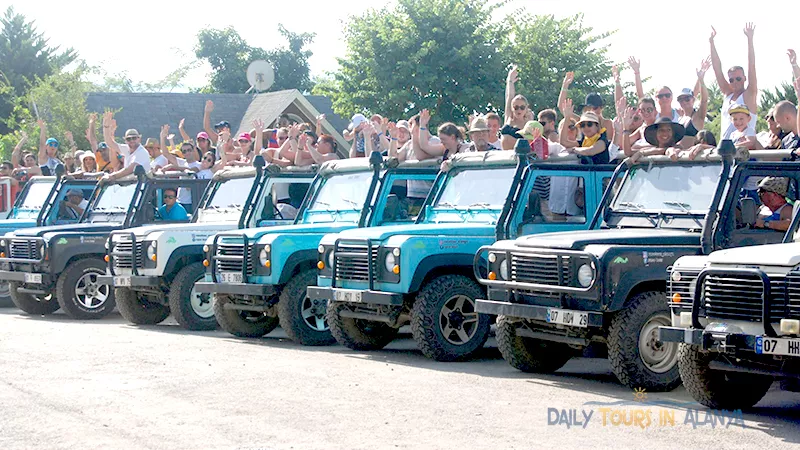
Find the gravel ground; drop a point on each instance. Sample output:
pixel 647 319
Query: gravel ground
pixel 107 384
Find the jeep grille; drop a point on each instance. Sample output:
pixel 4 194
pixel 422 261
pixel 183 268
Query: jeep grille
pixel 24 249
pixel 738 297
pixel 229 257
pixel 353 260
pixel 124 257
pixel 541 269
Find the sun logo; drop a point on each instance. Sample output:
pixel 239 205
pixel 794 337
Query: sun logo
pixel 639 394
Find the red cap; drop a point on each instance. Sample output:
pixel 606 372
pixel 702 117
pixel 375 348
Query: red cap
pixel 245 137
pixel 203 135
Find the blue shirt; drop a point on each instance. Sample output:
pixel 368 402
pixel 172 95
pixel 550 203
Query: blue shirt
pixel 177 212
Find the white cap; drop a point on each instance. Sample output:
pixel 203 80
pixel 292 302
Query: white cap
pixel 356 120
pixel 685 92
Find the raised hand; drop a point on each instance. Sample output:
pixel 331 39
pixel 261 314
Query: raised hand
pixel 713 34
pixel 615 74
pixel 209 106
pixel 621 104
pixel 792 56
pixel 566 108
pixel 392 127
pixel 320 118
pixel 180 124
pixel 384 124
pixel 294 130
pixel 164 131
pixel 69 137
pixel 513 74
pixel 634 63
pixel 627 118
pixel 108 116
pixel 749 29
pixel 302 140
pixel 424 117
pixel 704 66
pixel 92 118
pixel 258 124
pixel 24 135
pixel 617 122
pixel 41 123
pixel 569 77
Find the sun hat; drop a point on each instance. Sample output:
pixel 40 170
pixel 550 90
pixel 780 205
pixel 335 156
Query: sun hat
pixel 678 131
pixel 132 133
pixel 53 142
pixel 151 142
pixel 588 116
pixel 479 123
pixel 527 132
pixel 778 185
pixel 356 120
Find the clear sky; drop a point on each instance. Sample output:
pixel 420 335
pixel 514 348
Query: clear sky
pixel 147 38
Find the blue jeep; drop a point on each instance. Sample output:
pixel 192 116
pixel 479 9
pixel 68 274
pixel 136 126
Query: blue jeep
pixel 379 279
pixel 259 276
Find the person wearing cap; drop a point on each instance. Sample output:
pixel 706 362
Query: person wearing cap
pixel 73 206
pixel 772 193
pixel 743 135
pixel 213 133
pixel 132 151
pixel 355 133
pixel 593 102
pixel 592 140
pixel 400 141
pixel 694 119
pixel 479 135
pixel 48 148
pixel 733 87
pixel 153 147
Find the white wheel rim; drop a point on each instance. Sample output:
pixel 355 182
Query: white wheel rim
pixel 89 293
pixel 658 356
pixel 202 304
pixel 313 312
pixel 458 320
pixel 5 290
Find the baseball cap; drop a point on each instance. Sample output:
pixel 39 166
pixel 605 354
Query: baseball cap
pixel 356 120
pixel 132 133
pixel 151 142
pixel 404 125
pixel 52 141
pixel 778 185
pixel 223 124
pixel 74 192
pixel 202 135
pixel 594 100
pixel 245 137
pixel 686 92
pixel 102 146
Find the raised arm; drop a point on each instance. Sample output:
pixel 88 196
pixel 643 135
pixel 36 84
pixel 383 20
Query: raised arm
pixel 15 155
pixel 184 135
pixel 258 144
pixel 319 130
pixel 699 119
pixel 563 95
pixel 618 93
pixel 716 64
pixel 797 93
pixel 207 123
pixel 109 128
pixel 566 108
pixel 425 146
pixel 91 132
pixel 635 66
pixel 751 93
pixel 511 79
pixel 302 157
pixel 42 141
pixel 627 122
pixel 173 160
pixel 793 61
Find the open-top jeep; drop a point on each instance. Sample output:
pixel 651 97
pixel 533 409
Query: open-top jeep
pixel 259 276
pixel 381 278
pixel 154 268
pixel 736 316
pixel 558 292
pixel 58 266
pixel 34 207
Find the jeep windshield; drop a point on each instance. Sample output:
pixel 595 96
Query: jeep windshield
pixel 33 201
pixel 339 198
pixel 112 203
pixel 472 195
pixel 227 200
pixel 655 191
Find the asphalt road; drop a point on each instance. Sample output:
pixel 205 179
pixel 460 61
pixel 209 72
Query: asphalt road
pixel 107 384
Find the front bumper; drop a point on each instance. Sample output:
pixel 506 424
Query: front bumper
pixel 531 312
pixel 25 277
pixel 365 296
pixel 135 280
pixel 725 342
pixel 206 287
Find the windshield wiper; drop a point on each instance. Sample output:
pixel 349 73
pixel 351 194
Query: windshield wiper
pixel 355 204
pixel 631 205
pixel 682 206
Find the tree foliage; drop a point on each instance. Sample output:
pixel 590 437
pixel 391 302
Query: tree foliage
pixel 229 55
pixel 25 56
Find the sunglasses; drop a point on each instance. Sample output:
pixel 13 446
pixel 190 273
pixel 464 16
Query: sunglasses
pixel 281 138
pixel 731 80
pixel 665 95
pixel 169 196
pixel 572 127
pixel 647 110
pixel 131 138
pixel 520 108
pixel 543 122
pixel 201 139
pixel 587 125
pixel 244 141
pixel 684 99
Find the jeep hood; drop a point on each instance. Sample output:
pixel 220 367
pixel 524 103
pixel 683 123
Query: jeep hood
pixel 10 225
pixel 761 255
pixel 324 228
pixel 423 229
pixel 182 227
pixel 68 228
pixel 576 240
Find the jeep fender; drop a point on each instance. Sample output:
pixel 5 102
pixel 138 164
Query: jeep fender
pixel 191 253
pixel 434 264
pixel 297 260
pixel 62 254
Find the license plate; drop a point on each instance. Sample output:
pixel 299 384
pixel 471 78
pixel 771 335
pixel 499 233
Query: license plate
pixel 230 277
pixel 567 317
pixel 33 278
pixel 122 281
pixel 777 346
pixel 341 295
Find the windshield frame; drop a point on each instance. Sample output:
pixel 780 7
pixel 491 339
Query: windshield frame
pixel 19 204
pixel 475 213
pixel 205 213
pixel 306 214
pixel 91 210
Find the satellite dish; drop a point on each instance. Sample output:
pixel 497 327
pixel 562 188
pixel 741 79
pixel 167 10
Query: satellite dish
pixel 260 75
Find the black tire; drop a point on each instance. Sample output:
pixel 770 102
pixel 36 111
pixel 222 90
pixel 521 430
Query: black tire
pixel 634 329
pixel 32 304
pixel 463 332
pixel 358 334
pixel 293 307
pixel 242 323
pixel 138 310
pixel 5 296
pixel 181 296
pixel 528 354
pixel 716 388
pixel 82 275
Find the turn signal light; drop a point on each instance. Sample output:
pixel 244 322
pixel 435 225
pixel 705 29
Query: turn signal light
pixel 153 257
pixel 320 265
pixel 676 298
pixel 396 270
pixel 267 263
pixel 206 263
pixel 492 276
pixel 2 254
pixel 106 258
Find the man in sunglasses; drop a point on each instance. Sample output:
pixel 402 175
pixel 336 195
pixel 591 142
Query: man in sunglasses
pixel 733 88
pixel 132 150
pixel 171 209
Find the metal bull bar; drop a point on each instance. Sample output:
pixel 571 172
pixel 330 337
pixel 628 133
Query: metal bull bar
pixel 112 251
pixel 213 254
pixel 370 274
pixel 766 297
pixel 36 241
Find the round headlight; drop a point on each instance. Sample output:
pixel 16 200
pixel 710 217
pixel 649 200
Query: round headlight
pixel 676 276
pixel 389 262
pixel 396 252
pixel 3 242
pixel 321 248
pixel 330 258
pixel 268 248
pixel 585 275
pixel 151 251
pixel 492 257
pixel 41 249
pixel 107 244
pixel 263 257
pixel 206 249
pixel 504 269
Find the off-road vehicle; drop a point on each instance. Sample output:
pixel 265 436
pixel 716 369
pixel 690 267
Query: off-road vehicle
pixel 154 268
pixel 259 276
pixel 556 293
pixel 58 266
pixel 381 278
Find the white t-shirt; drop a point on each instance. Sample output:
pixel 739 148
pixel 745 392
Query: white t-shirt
pixel 159 161
pixel 675 116
pixel 139 156
pixel 205 174
pixel 497 144
pixel 726 124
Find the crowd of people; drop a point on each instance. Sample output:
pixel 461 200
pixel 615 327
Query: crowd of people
pixel 653 126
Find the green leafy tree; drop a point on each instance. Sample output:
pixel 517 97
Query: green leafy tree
pixel 25 56
pixel 229 55
pixel 435 54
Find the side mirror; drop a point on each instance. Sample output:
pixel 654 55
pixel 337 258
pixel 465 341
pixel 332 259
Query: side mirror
pixel 375 160
pixel 139 171
pixel 259 161
pixel 726 148
pixel 60 170
pixel 391 208
pixel 748 208
pixel 522 147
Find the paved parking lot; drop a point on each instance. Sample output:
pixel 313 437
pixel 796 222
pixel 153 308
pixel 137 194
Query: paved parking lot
pixel 107 384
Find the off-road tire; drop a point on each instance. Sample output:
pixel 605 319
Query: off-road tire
pixel 425 318
pixel 716 388
pixel 180 301
pixel 623 344
pixel 290 311
pixel 67 283
pixel 30 304
pixel 137 310
pixel 529 354
pixel 358 334
pixel 234 322
pixel 5 296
